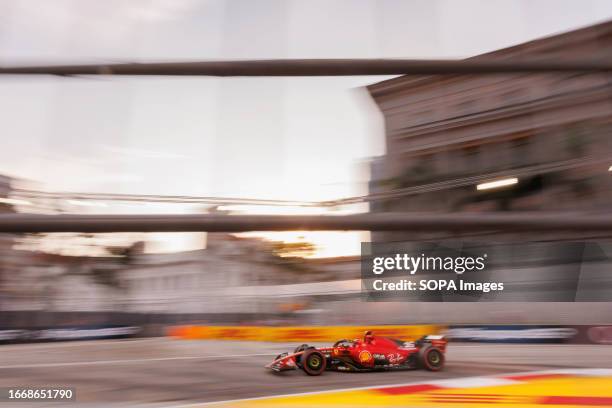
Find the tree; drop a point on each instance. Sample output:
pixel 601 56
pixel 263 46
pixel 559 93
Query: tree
pixel 300 249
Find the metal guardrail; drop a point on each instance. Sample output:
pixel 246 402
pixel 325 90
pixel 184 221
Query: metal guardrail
pixel 33 223
pixel 320 67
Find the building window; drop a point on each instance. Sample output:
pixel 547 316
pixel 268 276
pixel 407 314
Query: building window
pixel 520 150
pixel 577 139
pixel 472 150
pixel 422 170
pixel 472 156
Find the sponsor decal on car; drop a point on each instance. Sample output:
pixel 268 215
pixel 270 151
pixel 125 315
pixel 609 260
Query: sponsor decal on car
pixel 394 358
pixel 408 345
pixel 365 356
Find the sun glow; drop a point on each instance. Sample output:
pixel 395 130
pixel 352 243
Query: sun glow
pixel 327 243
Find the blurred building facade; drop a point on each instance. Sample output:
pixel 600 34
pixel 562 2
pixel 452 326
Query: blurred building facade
pixel 6 240
pixel 196 281
pixel 232 275
pixel 38 281
pixel 446 134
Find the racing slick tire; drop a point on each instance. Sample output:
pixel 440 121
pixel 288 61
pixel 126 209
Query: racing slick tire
pixel 299 349
pixel 432 358
pixel 313 362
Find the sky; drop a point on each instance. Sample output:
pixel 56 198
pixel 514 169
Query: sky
pixel 278 138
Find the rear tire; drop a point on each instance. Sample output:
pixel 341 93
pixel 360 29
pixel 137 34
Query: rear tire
pixel 432 358
pixel 313 362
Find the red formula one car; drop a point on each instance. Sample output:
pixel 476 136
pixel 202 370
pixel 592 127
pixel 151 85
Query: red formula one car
pixel 371 353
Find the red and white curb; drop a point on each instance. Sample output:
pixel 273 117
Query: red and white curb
pixel 451 383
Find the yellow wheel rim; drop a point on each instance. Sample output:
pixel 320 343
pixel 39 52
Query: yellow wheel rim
pixel 434 357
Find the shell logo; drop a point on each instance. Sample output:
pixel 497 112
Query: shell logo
pixel 365 356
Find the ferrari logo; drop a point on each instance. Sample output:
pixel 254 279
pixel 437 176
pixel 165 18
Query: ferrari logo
pixel 365 356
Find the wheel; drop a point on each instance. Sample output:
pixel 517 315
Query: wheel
pixel 298 349
pixel 432 358
pixel 313 362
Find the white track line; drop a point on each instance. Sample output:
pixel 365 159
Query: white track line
pixel 144 360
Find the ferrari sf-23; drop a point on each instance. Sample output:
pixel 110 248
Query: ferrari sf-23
pixel 370 353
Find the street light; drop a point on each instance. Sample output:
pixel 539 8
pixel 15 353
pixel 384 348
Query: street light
pixel 83 203
pixel 14 201
pixel 497 183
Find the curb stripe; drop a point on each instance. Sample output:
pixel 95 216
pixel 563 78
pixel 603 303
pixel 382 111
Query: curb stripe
pixel 438 386
pixel 407 389
pixel 576 400
pixel 475 382
pixel 530 377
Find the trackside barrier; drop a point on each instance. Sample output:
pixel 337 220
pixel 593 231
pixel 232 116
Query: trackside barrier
pixel 298 333
pixel 67 333
pixel 512 334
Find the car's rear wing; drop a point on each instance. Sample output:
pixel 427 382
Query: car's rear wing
pixel 437 340
pixel 435 337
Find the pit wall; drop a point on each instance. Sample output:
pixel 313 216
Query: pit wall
pixel 299 333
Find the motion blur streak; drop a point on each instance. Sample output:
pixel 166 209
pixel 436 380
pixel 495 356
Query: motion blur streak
pixel 101 383
pixel 190 187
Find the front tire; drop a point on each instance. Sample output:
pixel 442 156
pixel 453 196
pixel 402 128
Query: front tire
pixel 313 362
pixel 432 358
pixel 299 349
